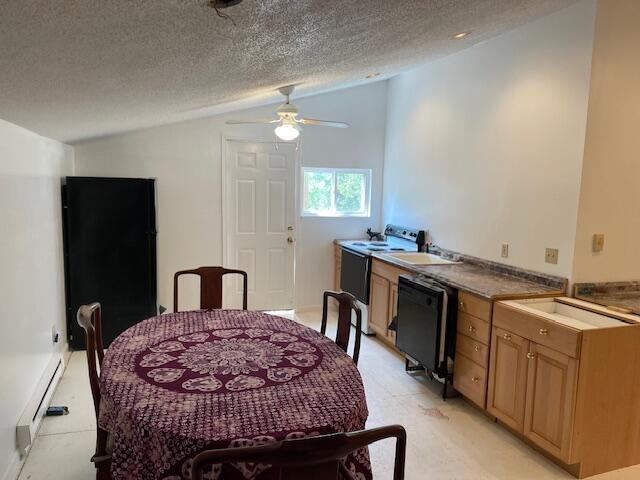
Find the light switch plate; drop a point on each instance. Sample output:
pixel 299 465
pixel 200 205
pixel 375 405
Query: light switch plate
pixel 504 252
pixel 551 255
pixel 598 242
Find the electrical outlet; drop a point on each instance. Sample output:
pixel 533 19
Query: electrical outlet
pixel 551 255
pixel 504 252
pixel 598 242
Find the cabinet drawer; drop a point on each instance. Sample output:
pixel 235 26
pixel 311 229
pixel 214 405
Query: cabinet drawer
pixel 474 305
pixel 470 379
pixel 387 271
pixel 474 328
pixel 550 334
pixel 476 351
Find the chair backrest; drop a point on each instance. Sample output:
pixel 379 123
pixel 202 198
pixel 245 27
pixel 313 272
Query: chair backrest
pixel 315 458
pixel 90 319
pixel 346 304
pixel 210 286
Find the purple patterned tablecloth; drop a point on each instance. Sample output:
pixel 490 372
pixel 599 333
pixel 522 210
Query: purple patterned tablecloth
pixel 180 383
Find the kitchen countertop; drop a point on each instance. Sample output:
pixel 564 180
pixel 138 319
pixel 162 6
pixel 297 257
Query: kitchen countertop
pixel 620 295
pixel 478 279
pixel 491 280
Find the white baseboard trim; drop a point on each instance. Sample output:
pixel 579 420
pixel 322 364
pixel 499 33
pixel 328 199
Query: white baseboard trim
pixel 17 460
pixel 15 465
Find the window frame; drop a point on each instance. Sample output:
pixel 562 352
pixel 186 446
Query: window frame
pixel 333 213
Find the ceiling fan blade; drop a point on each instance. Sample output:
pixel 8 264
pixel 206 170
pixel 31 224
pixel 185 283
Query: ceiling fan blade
pixel 251 122
pixel 324 123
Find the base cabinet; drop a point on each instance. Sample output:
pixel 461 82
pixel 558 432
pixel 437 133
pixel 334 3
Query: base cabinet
pixel 393 309
pixel 383 299
pixel 571 391
pixel 337 267
pixel 508 378
pixel 470 370
pixel 551 389
pixel 379 304
pixel 532 390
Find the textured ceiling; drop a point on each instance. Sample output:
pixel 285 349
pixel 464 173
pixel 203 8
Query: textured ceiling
pixel 75 69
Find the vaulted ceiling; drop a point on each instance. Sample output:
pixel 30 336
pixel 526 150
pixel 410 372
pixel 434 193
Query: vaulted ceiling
pixel 75 69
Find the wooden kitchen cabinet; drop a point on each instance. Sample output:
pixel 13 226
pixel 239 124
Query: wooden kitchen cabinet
pixel 569 389
pixel 383 299
pixel 532 386
pixel 508 378
pixel 551 388
pixel 532 389
pixel 393 310
pixel 379 304
pixel 470 370
pixel 337 267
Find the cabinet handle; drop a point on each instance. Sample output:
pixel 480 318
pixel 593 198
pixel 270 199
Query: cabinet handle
pixel 531 356
pixel 543 331
pixel 472 328
pixel 506 336
pixel 461 304
pixel 477 348
pixel 475 379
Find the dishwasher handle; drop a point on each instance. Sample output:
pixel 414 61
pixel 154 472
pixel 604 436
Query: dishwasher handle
pixel 421 297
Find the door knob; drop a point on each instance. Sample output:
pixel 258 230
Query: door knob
pixel 290 240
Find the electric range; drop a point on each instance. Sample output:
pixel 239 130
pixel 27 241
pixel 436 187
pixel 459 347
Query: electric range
pixel 355 274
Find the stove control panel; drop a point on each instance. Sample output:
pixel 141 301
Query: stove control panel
pixel 402 232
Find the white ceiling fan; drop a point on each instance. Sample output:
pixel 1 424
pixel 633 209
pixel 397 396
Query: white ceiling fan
pixel 287 123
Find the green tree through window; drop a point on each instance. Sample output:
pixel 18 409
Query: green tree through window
pixel 350 192
pixel 336 192
pixel 318 186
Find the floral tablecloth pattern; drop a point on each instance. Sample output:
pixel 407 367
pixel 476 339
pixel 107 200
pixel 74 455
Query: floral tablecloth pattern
pixel 180 383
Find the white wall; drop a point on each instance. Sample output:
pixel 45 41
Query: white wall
pixel 185 159
pixel 485 146
pixel 32 276
pixel 610 193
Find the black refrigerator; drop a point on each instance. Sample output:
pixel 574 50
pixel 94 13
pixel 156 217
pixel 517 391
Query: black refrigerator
pixel 110 251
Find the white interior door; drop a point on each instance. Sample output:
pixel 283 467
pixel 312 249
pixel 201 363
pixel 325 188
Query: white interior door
pixel 259 222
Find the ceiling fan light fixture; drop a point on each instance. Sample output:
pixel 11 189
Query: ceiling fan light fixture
pixel 287 132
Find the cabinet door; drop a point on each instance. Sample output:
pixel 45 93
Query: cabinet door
pixel 393 309
pixel 508 377
pixel 337 267
pixel 551 387
pixel 379 304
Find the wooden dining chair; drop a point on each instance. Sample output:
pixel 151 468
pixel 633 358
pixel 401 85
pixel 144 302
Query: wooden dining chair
pixel 210 286
pixel 90 319
pixel 315 458
pixel 346 304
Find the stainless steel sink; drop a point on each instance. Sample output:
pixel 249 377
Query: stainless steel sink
pixel 420 258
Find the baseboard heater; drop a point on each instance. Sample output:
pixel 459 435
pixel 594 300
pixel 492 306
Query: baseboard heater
pixel 33 414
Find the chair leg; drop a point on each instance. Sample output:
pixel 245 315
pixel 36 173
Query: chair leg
pixel 103 471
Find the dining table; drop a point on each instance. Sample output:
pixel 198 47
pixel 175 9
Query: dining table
pixel 177 384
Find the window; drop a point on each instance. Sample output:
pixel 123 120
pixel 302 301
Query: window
pixel 336 192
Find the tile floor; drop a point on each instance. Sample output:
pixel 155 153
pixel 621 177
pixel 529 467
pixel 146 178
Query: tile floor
pixel 447 440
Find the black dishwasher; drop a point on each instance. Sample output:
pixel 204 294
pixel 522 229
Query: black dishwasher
pixel 426 324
